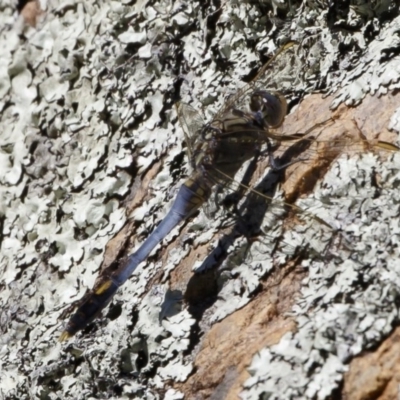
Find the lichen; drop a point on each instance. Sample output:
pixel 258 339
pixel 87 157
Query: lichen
pixel 86 101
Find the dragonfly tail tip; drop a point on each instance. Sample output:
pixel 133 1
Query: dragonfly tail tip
pixel 64 336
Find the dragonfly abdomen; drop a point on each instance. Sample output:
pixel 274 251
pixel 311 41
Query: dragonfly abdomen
pixel 191 196
pixel 90 308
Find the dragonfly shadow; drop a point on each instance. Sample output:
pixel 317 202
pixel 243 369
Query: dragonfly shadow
pixel 207 281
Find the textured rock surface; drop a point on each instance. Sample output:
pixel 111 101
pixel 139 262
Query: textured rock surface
pixel 375 375
pixel 92 155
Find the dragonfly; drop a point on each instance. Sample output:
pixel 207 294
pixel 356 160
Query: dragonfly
pixel 217 150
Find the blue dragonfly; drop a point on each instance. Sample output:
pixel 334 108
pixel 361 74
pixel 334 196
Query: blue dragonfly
pixel 216 151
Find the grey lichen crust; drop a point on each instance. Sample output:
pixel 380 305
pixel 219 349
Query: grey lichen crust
pixel 347 304
pixel 86 102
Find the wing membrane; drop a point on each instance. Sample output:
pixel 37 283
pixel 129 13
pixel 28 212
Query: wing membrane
pixel 191 122
pixel 324 141
pixel 314 150
pixel 282 72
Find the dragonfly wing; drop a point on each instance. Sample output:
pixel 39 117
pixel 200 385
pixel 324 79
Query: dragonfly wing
pixel 322 143
pixel 260 213
pixel 281 73
pixel 191 122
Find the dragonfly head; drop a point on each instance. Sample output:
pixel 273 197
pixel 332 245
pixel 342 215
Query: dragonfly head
pixel 271 105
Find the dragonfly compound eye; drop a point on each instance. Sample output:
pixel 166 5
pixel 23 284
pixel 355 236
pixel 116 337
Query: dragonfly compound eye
pixel 272 105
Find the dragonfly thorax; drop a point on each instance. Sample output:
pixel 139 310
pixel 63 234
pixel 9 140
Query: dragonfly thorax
pixel 210 132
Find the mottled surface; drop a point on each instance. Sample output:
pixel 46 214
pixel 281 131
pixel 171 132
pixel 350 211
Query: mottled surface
pixel 91 157
pixel 375 374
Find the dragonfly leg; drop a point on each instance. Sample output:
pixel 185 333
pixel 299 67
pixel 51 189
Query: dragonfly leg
pixel 218 191
pixel 272 160
pixel 273 163
pixel 276 167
